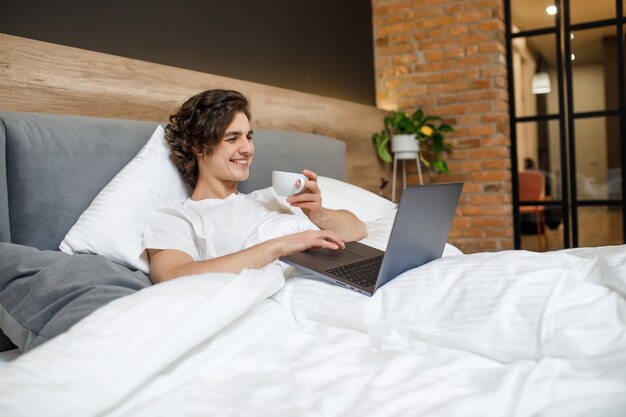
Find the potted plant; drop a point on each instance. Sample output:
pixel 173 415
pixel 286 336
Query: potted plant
pixel 425 132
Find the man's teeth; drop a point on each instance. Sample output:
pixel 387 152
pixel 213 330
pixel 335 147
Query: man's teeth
pixel 240 161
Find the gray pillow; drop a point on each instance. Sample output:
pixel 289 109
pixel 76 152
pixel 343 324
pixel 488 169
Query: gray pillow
pixel 44 293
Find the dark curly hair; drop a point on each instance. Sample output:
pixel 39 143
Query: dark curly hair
pixel 199 125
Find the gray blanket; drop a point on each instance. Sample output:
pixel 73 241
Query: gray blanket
pixel 44 293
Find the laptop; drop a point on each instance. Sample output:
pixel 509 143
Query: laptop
pixel 418 236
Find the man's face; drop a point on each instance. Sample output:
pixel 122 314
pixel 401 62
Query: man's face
pixel 232 157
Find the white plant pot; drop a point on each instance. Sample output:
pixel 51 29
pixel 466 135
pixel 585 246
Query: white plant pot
pixel 404 146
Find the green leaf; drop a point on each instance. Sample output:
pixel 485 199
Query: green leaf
pixel 383 153
pixel 375 139
pixel 441 166
pixel 446 128
pixel 418 115
pixel 437 142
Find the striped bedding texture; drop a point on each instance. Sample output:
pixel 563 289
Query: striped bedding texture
pixel 510 333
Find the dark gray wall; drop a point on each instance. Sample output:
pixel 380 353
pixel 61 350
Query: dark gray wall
pixel 316 46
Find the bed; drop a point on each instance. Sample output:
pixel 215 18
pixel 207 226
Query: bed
pixel 511 333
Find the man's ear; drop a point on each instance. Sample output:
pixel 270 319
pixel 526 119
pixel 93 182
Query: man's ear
pixel 199 151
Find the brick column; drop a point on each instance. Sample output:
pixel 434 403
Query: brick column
pixel 449 57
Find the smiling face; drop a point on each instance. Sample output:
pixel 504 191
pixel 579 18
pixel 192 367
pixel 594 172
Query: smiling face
pixel 228 163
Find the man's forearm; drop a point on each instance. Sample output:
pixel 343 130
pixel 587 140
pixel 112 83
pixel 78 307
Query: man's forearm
pixel 254 257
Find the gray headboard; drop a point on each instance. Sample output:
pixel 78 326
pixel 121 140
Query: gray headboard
pixel 52 167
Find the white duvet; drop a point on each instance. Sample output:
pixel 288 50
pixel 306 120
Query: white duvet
pixel 511 333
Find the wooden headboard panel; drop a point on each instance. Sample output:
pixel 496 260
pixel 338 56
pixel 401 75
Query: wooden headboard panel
pixel 43 77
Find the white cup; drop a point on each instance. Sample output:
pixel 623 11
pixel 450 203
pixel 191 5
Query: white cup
pixel 286 183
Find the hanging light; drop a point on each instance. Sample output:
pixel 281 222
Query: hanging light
pixel 551 10
pixel 541 83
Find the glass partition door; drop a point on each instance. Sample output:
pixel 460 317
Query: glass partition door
pixel 567 112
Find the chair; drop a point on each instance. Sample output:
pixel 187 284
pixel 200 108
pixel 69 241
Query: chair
pixel 532 188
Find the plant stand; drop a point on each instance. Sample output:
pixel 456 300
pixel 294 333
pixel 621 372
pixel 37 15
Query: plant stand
pixel 404 147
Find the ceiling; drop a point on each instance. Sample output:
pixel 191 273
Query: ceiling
pixel 586 44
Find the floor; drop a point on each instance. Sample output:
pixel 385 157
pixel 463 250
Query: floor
pixel 598 226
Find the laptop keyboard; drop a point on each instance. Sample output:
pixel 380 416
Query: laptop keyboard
pixel 363 273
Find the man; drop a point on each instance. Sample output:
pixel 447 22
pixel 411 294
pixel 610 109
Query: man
pixel 211 143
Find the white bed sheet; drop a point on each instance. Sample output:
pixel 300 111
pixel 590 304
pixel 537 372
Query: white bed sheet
pixel 511 333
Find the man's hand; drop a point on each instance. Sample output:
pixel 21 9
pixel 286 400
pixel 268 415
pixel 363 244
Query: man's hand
pixel 345 224
pixel 310 199
pixel 309 239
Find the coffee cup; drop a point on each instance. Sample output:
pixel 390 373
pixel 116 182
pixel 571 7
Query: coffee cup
pixel 286 183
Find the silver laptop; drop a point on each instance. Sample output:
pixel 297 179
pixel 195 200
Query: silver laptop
pixel 419 235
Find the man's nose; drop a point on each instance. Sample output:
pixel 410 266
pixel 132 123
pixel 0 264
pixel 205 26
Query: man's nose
pixel 245 146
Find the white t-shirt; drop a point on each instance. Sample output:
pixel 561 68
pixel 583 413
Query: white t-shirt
pixel 210 228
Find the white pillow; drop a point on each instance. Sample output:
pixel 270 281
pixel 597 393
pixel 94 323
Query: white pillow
pixel 366 205
pixel 113 224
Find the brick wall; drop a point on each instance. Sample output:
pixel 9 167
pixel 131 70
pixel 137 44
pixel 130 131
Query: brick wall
pixel 449 57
